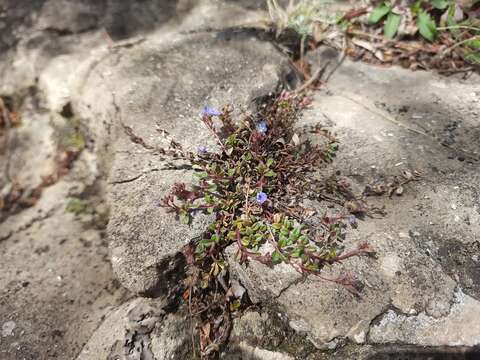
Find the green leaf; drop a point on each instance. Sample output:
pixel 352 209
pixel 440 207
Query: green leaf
pixel 270 173
pixel 379 13
pixel 439 4
pixel 269 162
pixel 276 257
pixel 473 58
pixel 391 25
pixel 297 252
pixel 295 233
pixel 473 44
pixel 276 226
pixel 426 26
pixel 416 7
pixel 284 232
pixel 303 240
pixel 200 175
pixel 79 206
pixel 185 218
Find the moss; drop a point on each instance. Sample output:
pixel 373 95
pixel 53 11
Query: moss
pixel 71 136
pixel 79 206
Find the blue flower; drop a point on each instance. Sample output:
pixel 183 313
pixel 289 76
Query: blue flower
pixel 261 197
pixel 262 127
pixel 202 149
pixel 210 111
pixel 352 220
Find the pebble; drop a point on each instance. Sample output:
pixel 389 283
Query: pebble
pixel 7 328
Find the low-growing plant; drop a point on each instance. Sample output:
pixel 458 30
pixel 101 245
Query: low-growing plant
pixel 79 206
pixel 253 184
pixel 300 16
pixel 430 16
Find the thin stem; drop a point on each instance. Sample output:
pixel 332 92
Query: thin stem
pixel 208 124
pixel 446 51
pixel 458 27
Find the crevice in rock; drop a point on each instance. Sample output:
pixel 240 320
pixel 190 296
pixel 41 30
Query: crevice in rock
pixel 170 271
pixel 67 32
pixel 412 352
pixel 287 42
pixel 288 286
pixel 376 320
pixel 124 181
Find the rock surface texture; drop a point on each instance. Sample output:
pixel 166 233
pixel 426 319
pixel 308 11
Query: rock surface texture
pixel 414 292
pixel 74 287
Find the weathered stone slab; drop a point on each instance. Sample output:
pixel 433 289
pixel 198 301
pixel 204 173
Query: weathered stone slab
pixel 140 329
pixel 164 85
pixel 388 121
pixel 458 328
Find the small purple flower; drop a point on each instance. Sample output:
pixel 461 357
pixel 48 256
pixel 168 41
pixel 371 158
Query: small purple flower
pixel 211 111
pixel 262 127
pixel 202 149
pixel 261 197
pixel 352 220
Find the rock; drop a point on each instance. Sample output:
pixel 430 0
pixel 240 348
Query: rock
pixel 263 283
pixel 175 57
pixel 379 136
pixel 251 326
pixel 243 351
pixel 155 84
pixel 65 16
pixel 171 339
pixel 163 88
pixel 7 328
pixel 140 329
pixel 458 328
pixel 59 59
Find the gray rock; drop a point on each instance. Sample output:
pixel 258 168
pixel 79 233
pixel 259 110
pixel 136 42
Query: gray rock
pixel 244 351
pixel 172 338
pixel 7 328
pixel 459 328
pixel 388 120
pixel 381 134
pixel 139 329
pixel 263 283
pixel 165 89
pixel 251 326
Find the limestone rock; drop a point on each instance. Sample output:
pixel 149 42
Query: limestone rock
pixel 140 329
pixel 383 133
pixel 158 86
pixel 243 351
pixel 459 328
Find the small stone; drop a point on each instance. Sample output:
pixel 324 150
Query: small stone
pixel 7 328
pixel 468 283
